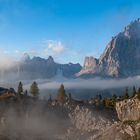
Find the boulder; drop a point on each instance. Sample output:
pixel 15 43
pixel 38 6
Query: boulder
pixel 129 109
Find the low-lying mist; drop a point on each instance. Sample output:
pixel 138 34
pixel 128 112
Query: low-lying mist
pixel 80 88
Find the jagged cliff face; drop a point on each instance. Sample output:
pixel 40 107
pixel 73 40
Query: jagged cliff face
pixel 90 66
pixel 128 110
pixel 121 56
pixel 90 63
pixel 85 119
pixel 38 67
pixel 108 62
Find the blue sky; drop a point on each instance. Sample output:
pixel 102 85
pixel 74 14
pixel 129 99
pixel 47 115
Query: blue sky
pixel 66 29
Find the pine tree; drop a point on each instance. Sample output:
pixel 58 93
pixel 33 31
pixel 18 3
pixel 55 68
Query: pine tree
pixel 126 95
pixel 20 88
pixel 134 92
pixel 61 96
pixel 34 90
pixel 100 97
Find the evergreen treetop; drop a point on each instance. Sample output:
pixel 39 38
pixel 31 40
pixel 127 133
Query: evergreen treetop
pixel 126 95
pixel 134 92
pixel 61 96
pixel 34 90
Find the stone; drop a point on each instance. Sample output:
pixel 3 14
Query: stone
pixel 129 109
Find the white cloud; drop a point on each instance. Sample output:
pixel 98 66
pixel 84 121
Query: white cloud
pixel 54 46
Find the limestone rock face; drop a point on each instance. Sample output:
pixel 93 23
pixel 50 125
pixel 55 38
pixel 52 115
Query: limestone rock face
pixel 86 120
pixel 128 110
pixel 121 57
pixel 89 67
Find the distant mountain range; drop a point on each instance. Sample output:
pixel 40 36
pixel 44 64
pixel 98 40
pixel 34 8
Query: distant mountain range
pixel 40 68
pixel 121 57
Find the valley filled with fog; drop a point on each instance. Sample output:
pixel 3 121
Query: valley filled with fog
pixel 79 88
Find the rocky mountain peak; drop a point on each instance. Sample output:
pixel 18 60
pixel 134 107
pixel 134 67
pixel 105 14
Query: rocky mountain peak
pixel 41 68
pixel 25 57
pixel 121 57
pixel 90 62
pixel 50 59
pixel 132 30
pixel 89 66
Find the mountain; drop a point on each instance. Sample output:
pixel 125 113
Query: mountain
pixel 121 57
pixel 89 67
pixel 40 68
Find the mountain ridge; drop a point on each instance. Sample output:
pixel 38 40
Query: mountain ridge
pixel 121 56
pixel 38 67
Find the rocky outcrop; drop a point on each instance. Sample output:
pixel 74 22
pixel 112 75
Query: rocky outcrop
pixel 90 123
pixel 120 131
pixel 128 110
pixel 84 119
pixel 89 67
pixel 7 93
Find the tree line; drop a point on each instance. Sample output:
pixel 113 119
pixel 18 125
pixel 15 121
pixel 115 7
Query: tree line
pixel 34 90
pixel 62 96
pixel 110 102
